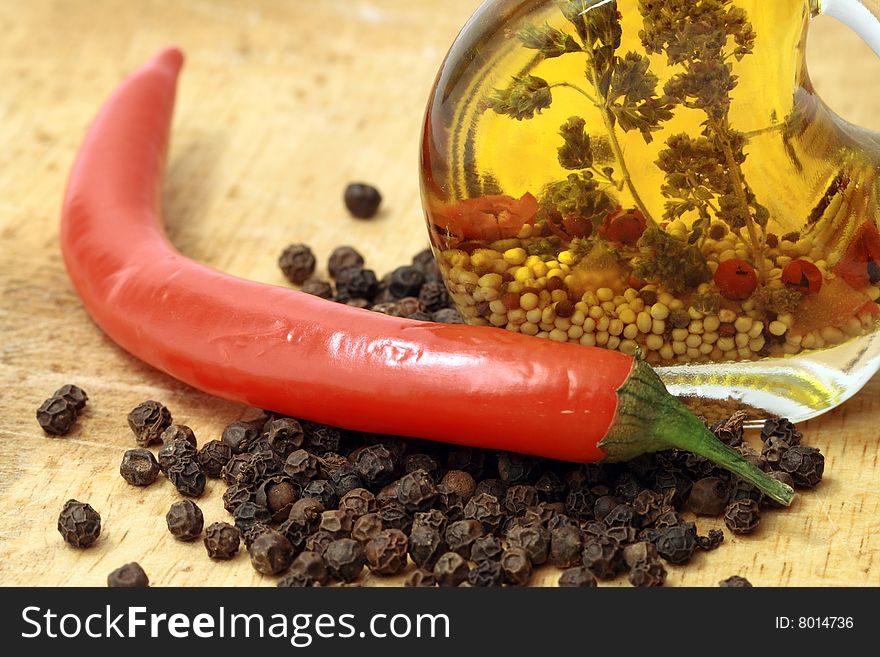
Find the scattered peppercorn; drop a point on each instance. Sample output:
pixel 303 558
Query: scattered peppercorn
pixel 222 540
pixel 486 573
pixel 338 523
pixel 79 524
pixel 516 566
pixel 187 477
pixel 176 451
pixel 239 436
pixel 357 282
pixel 735 582
pixel 417 491
pixel 708 496
pixel 139 467
pixel 805 465
pixel 74 394
pixel 343 257
pixel 362 200
pixel 345 559
pixel 742 516
pixel 179 432
pixel 647 573
pixel 534 539
pixel 676 544
pixel 129 576
pixel 420 578
pixel 307 569
pixel 57 416
pixel 297 263
pixel 366 528
pixel 213 457
pixel 566 544
pixel 577 577
pixel 318 541
pixel 147 421
pixel 451 569
pixel 185 520
pixel 321 490
pixel 271 553
pixel 386 554
pixel 284 435
pixel 248 513
pixel 278 495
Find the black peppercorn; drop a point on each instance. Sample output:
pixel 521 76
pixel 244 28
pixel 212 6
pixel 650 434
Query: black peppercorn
pixel 447 316
pixel 187 477
pixel 487 510
pixel 425 546
pixel 233 467
pixel 433 296
pixel 708 496
pixel 622 515
pixel 235 495
pixel 129 576
pixel 321 490
pixel 460 482
pixel 366 528
pixel 307 511
pixel 139 467
pixel 301 466
pixel 362 200
pixel 318 287
pixel 774 449
pixel 534 539
pixel 79 524
pixel 345 559
pixel 358 502
pixel 252 533
pixel 386 554
pixel 179 432
pixel 647 573
pixel 338 523
pixel 297 263
pixel 433 518
pixel 550 487
pixel 357 282
pixel 451 569
pixel 805 465
pixel 344 479
pixel 577 577
pixel 516 566
pixel 57 416
pixel 417 491
pixel 375 464
pixel 714 538
pixel 566 544
pixel 343 257
pixel 395 516
pixel 406 281
pixel 284 435
pixel 519 498
pixel 239 436
pixel 318 541
pixel 603 556
pixel 485 574
pixel 781 428
pixel 579 503
pixel 461 534
pixel 271 553
pixel 604 505
pixel 307 569
pixel 74 394
pixel 248 513
pixel 174 452
pixel 147 421
pixel 641 551
pixel 213 456
pixel 735 582
pixel 420 578
pixel 676 544
pixel 278 495
pixel 222 540
pixel 185 520
pixel 486 548
pixel 742 516
pixel 516 468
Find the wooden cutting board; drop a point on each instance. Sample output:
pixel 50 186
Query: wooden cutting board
pixel 281 104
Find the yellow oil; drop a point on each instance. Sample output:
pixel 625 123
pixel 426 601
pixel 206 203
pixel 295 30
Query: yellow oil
pixel 814 174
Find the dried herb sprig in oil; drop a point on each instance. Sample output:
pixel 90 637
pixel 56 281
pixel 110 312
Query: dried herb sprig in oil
pixel 702 39
pixel 621 87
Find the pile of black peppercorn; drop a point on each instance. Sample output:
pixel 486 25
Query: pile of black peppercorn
pixel 414 291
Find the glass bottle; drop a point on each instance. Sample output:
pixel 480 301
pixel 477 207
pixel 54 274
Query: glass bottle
pixel 659 177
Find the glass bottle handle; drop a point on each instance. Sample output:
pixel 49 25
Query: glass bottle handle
pixel 862 16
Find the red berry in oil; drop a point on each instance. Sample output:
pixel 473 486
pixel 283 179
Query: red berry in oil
pixel 624 226
pixel 736 279
pixel 802 276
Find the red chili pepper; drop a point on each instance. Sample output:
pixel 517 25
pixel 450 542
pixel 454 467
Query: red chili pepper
pixel 736 279
pixel 854 266
pixel 287 351
pixel 803 276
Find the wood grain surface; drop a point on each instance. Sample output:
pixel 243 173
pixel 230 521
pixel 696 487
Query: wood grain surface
pixel 281 104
